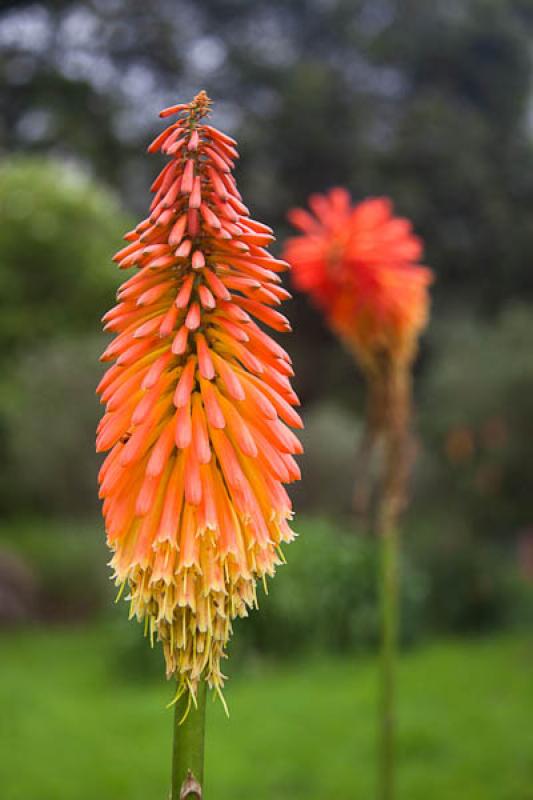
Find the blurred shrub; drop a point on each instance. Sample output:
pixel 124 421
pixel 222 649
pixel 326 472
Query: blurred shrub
pixel 59 230
pixel 476 418
pixel 328 463
pixel 134 657
pixel 18 589
pixel 68 562
pixel 327 598
pixel 473 584
pixel 50 427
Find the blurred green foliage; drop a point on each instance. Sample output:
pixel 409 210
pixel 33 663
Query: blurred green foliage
pixel 67 559
pixel 473 584
pixel 327 596
pixel 329 439
pixel 50 421
pixel 476 419
pixel 59 230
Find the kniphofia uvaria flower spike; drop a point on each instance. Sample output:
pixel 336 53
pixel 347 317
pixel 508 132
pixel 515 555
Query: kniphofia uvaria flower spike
pixel 359 264
pixel 198 406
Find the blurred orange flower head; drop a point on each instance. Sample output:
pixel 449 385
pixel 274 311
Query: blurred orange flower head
pixel 359 263
pixel 199 406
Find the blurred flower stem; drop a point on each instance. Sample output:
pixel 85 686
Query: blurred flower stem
pixel 188 747
pixel 396 394
pixel 389 630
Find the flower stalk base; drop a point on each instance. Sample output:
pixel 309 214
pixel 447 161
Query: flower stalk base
pixel 188 746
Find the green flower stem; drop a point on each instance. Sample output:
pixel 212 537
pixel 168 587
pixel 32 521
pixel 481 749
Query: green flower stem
pixel 389 633
pixel 188 748
pixel 396 386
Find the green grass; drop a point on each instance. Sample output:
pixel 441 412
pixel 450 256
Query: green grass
pixel 74 727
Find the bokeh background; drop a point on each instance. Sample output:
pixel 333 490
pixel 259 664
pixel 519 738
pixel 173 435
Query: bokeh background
pixel 429 103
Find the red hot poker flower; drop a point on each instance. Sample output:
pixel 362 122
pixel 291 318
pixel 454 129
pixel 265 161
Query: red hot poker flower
pixel 198 406
pixel 359 264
